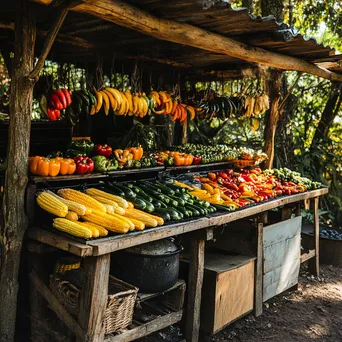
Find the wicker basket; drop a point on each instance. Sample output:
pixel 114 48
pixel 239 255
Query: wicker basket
pixel 120 304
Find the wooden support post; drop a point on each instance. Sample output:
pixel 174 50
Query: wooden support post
pixel 259 266
pixel 314 262
pixel 298 207
pixel 286 213
pixel 196 271
pixel 94 297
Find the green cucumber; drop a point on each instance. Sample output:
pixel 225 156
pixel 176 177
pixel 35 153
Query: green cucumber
pixel 201 203
pixel 137 202
pixel 223 207
pixel 174 214
pixel 163 213
pixel 149 190
pixel 151 186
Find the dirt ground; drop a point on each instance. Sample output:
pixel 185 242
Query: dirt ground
pixel 313 313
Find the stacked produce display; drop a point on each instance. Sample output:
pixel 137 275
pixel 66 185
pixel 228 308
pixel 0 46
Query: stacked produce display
pixel 136 205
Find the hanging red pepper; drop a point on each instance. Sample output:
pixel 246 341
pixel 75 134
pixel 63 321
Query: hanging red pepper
pixel 103 150
pixel 196 160
pixel 61 98
pixel 84 165
pixel 57 104
pixel 51 114
pixel 67 95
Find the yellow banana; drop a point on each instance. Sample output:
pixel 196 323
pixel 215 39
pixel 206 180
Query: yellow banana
pixel 135 104
pixel 128 95
pixel 99 101
pixel 165 96
pixel 92 110
pixel 156 98
pixel 112 100
pixel 105 102
pixel 116 94
pixel 141 107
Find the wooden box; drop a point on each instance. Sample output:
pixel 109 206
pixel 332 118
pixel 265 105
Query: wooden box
pixel 228 290
pixel 281 256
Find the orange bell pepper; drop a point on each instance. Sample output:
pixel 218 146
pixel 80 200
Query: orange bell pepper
pixel 188 159
pixel 33 164
pixel 68 166
pixel 48 167
pixel 178 159
pixel 137 152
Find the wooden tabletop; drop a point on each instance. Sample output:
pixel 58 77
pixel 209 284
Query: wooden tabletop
pixel 117 242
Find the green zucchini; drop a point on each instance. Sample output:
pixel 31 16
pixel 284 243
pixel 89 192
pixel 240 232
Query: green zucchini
pixel 149 207
pixel 201 203
pixel 163 214
pixel 180 201
pixel 194 210
pixel 223 207
pixel 184 212
pixel 137 202
pixel 164 189
pixel 115 190
pixel 174 214
pixel 125 189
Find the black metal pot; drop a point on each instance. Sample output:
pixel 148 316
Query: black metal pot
pixel 152 267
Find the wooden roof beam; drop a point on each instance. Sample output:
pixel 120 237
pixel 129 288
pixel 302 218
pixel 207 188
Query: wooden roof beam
pixel 133 18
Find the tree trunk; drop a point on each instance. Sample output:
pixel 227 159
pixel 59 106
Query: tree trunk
pixel 329 113
pixel 273 88
pixel 273 7
pixel 12 217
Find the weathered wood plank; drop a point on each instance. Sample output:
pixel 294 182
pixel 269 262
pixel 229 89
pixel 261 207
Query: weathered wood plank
pixel 60 311
pixel 146 329
pixel 60 241
pixel 306 256
pixel 314 262
pixel 259 264
pixel 125 241
pixel 93 299
pixel 195 282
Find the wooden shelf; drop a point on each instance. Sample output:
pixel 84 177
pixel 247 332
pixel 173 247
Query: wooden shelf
pixel 117 242
pixel 140 330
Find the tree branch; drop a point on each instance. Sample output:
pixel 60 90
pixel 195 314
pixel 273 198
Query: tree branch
pixel 282 104
pixel 49 41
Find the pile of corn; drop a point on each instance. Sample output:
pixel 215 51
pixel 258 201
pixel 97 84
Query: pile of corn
pixel 94 213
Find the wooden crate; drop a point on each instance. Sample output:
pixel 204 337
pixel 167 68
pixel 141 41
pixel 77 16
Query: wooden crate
pixel 281 256
pixel 228 290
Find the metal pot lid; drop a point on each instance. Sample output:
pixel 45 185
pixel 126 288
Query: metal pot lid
pixel 159 247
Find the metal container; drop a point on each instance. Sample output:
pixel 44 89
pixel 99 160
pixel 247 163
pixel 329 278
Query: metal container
pixel 152 267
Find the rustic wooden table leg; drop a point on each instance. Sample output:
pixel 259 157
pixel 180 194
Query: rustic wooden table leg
pixel 196 271
pixel 259 266
pixel 298 207
pixel 314 262
pixel 94 297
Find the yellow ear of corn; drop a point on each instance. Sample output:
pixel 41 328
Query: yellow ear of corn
pixel 78 208
pixel 108 221
pixel 106 201
pixel 109 209
pixel 91 226
pixel 119 200
pixel 125 220
pixel 119 210
pixel 159 219
pixel 51 204
pixel 72 228
pixel 102 231
pixel 141 216
pixel 80 197
pixel 72 216
pixel 138 225
pixel 130 205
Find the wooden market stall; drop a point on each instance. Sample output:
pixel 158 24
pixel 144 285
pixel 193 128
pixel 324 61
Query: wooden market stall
pixel 199 41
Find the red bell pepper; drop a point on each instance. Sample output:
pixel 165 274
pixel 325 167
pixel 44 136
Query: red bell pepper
pixel 57 104
pixel 67 95
pixel 223 175
pixel 196 160
pixel 51 114
pixel 103 150
pixel 84 165
pixel 61 97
